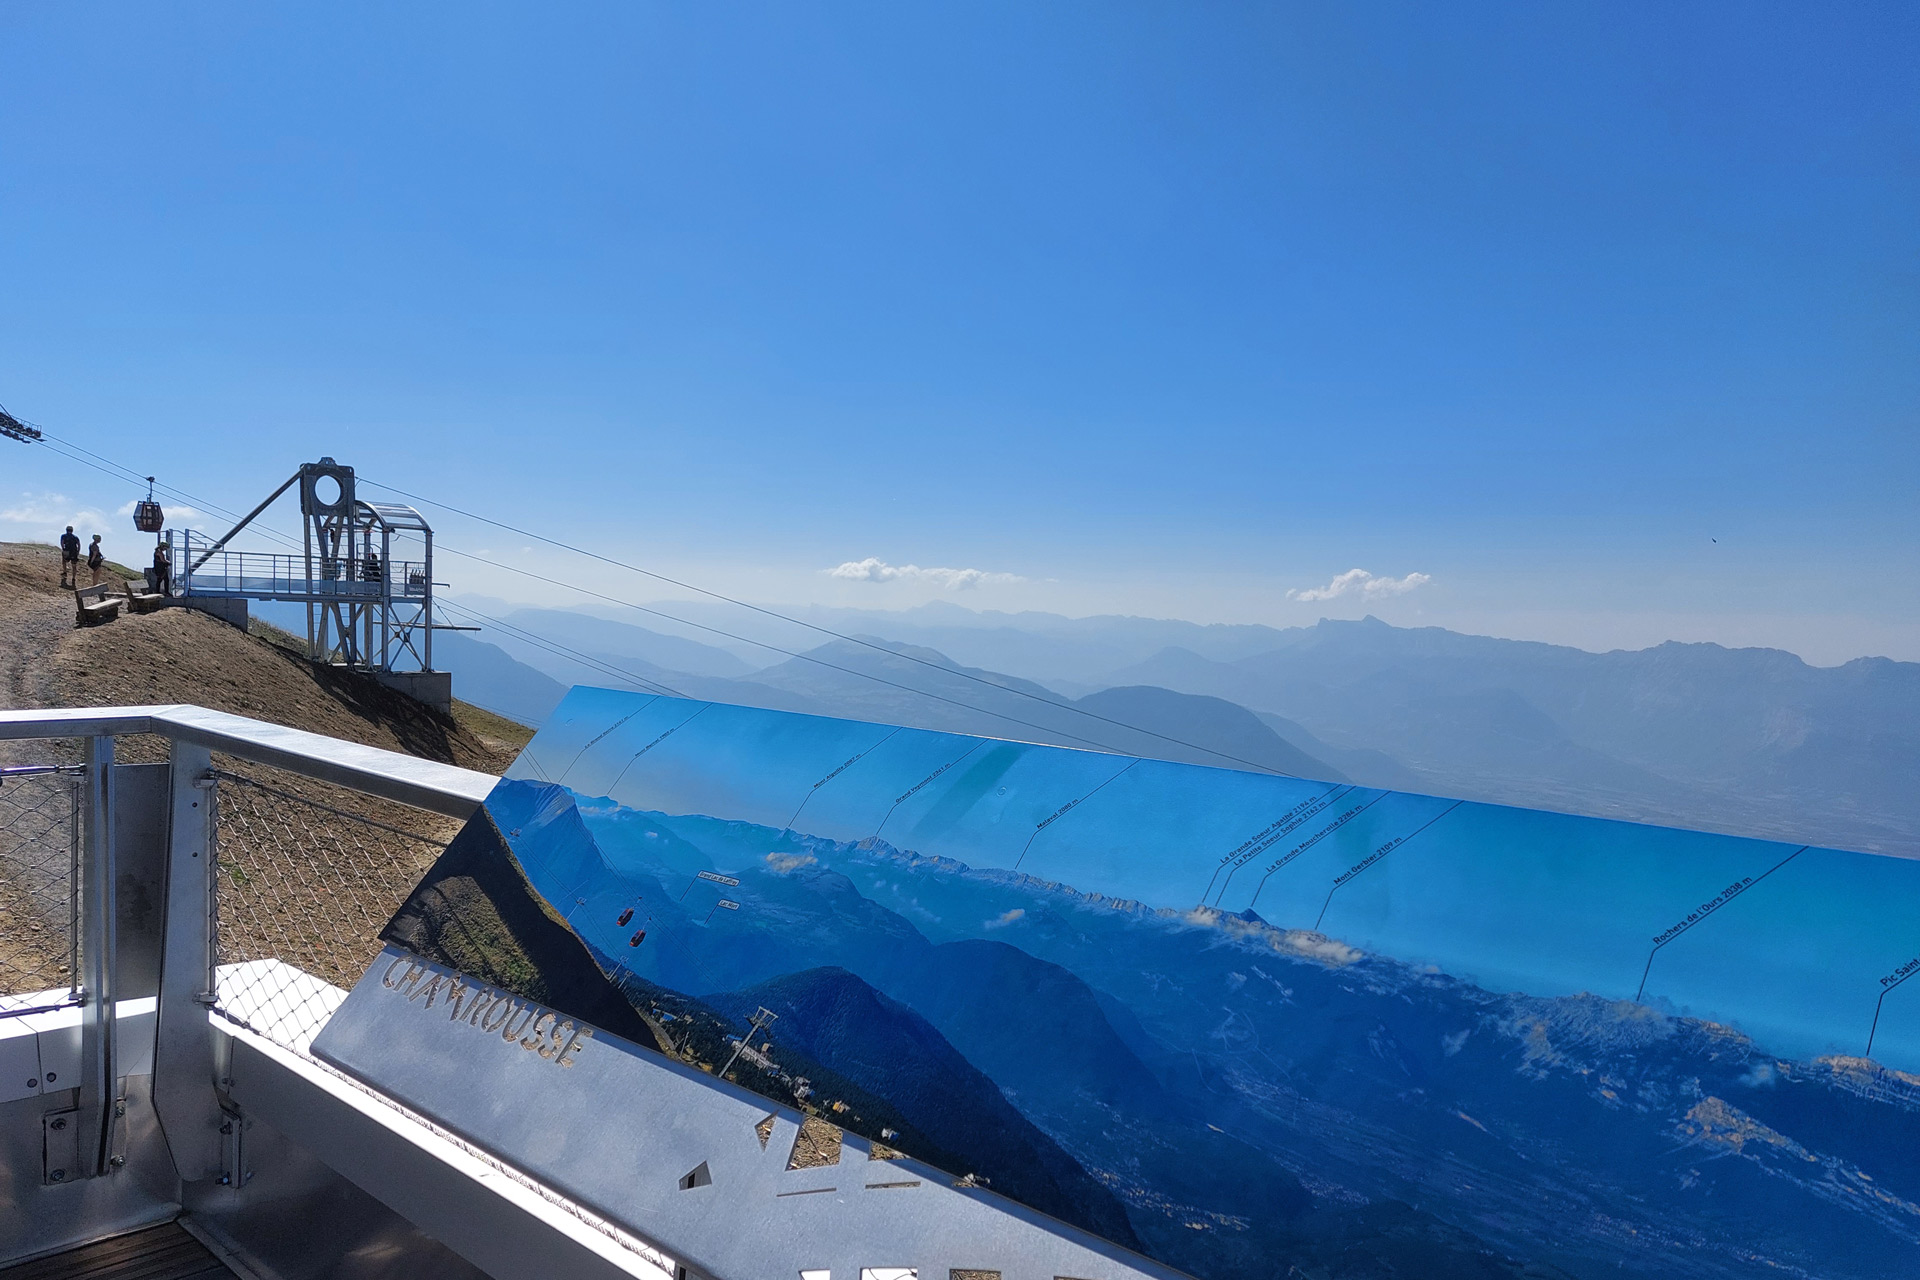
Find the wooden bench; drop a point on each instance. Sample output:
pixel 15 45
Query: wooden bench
pixel 95 605
pixel 144 599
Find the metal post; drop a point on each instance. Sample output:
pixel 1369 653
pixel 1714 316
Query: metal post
pixel 306 545
pixel 753 1029
pixel 99 1082
pixel 426 604
pixel 75 979
pixel 184 1069
pixel 386 599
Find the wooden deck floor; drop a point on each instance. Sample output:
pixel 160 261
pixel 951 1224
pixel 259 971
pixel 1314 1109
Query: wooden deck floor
pixel 156 1253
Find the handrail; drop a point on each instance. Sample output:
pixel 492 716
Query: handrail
pixel 283 573
pixel 425 784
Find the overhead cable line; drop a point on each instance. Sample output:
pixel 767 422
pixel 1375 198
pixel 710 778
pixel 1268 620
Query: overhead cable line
pixel 805 657
pixel 498 711
pixel 127 473
pixel 108 467
pixel 826 631
pixel 560 650
pixel 118 473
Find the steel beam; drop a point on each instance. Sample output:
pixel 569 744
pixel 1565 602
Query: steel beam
pixel 184 1073
pixel 99 1074
pixel 426 784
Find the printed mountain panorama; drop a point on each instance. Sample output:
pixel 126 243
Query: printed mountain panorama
pixel 1396 1037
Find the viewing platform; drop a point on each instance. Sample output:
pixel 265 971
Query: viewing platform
pixel 260 575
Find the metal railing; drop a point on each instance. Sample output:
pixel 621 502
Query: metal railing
pixel 268 574
pixel 293 892
pixel 39 888
pixel 280 867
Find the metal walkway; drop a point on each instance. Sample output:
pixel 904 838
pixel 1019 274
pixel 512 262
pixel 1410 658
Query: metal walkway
pixel 157 1253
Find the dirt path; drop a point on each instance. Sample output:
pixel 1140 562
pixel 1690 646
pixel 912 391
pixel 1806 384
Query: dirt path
pixel 35 616
pixel 33 621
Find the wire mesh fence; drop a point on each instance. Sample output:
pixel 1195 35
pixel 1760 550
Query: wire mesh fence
pixel 39 887
pixel 305 877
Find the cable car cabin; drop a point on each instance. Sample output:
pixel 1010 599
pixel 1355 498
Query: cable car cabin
pixel 625 916
pixel 148 517
pixel 638 938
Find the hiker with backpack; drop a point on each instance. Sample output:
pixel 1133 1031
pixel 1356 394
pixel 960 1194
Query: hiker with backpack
pixel 69 558
pixel 96 560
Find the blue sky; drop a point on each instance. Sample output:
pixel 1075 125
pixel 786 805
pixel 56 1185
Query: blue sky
pixel 1164 309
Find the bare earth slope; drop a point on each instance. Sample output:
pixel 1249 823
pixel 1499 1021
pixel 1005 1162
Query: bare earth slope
pixel 302 881
pixel 178 655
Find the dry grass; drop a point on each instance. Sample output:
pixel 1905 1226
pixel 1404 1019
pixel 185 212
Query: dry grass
pixel 817 1145
pixel 180 656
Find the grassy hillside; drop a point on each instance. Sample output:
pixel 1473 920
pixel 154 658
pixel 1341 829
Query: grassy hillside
pixel 300 880
pixel 178 655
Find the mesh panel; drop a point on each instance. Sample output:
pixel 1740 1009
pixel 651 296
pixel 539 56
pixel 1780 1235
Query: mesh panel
pixel 306 876
pixel 39 887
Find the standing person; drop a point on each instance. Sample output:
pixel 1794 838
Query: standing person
pixel 162 570
pixel 96 560
pixel 69 558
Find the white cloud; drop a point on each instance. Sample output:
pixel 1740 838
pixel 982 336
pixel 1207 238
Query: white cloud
pixel 1006 918
pixel 43 517
pixel 782 863
pixel 873 569
pixel 1363 584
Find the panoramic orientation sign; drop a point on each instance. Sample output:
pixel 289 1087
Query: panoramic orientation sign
pixel 1238 1022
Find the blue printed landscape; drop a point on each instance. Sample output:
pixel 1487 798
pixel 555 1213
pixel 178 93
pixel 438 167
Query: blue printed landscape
pixel 1241 1022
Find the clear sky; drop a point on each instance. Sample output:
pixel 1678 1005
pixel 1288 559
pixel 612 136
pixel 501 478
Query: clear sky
pixel 1170 309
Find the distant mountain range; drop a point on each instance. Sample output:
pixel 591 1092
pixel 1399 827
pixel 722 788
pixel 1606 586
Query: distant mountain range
pixel 1747 741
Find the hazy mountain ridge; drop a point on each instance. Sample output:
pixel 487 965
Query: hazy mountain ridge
pixel 1747 741
pixel 1750 741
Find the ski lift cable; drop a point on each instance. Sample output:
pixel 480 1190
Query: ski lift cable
pixel 114 471
pixel 108 467
pixel 129 474
pixel 852 671
pixel 122 470
pixel 804 657
pixel 560 650
pixel 828 631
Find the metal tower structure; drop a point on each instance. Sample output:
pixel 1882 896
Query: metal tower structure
pixel 378 611
pixel 365 577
